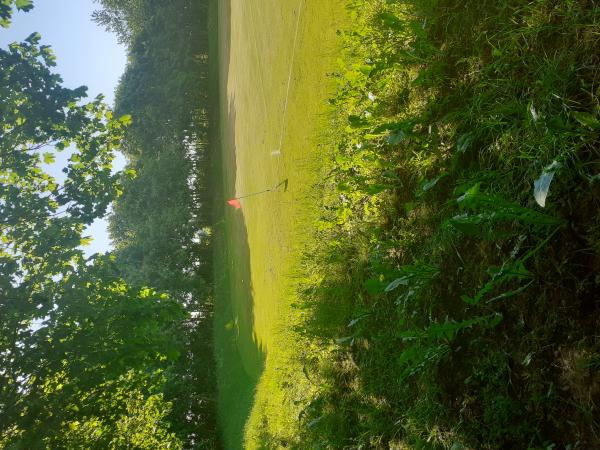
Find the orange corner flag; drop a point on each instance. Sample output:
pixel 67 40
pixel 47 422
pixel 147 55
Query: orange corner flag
pixel 235 203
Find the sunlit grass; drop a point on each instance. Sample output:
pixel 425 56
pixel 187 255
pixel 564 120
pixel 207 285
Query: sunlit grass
pixel 274 59
pixel 439 290
pixel 438 305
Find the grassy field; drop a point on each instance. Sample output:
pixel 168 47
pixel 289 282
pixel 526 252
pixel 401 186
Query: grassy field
pixel 438 289
pixel 274 56
pixel 452 287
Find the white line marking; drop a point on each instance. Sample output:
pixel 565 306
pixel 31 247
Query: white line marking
pixel 287 95
pixel 260 74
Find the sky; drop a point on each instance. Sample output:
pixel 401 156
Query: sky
pixel 85 55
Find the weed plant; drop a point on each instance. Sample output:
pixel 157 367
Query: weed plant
pixel 445 308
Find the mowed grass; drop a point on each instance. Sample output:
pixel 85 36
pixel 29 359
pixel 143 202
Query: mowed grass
pixel 273 60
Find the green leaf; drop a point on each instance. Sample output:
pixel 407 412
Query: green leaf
pixel 49 55
pixel 470 196
pixel 146 292
pixel 428 185
pixel 374 286
pixel 586 119
pixel 397 282
pixel 464 142
pixel 366 70
pixel 345 340
pixel 24 5
pixel 357 121
pixel 374 189
pixel 172 354
pixel 354 322
pixel 33 38
pixel 49 158
pixel 126 119
pixel 396 138
pixel 390 21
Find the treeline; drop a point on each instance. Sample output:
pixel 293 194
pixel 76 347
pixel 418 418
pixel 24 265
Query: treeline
pixel 86 359
pixel 110 351
pixel 160 225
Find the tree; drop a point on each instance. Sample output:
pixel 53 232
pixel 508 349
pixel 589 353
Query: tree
pixel 122 17
pixel 101 359
pixel 84 357
pixel 6 9
pixel 160 226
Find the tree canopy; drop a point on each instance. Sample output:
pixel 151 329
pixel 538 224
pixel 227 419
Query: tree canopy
pixel 114 350
pixel 7 7
pixel 84 356
pixel 160 226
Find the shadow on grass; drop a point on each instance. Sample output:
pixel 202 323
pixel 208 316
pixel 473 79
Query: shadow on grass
pixel 394 378
pixel 239 359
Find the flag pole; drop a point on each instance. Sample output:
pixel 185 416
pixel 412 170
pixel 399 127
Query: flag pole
pixel 284 182
pixel 253 193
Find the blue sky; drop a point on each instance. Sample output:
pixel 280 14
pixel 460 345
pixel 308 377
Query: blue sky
pixel 86 55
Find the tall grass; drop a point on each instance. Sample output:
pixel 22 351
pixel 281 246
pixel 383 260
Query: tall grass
pixel 444 307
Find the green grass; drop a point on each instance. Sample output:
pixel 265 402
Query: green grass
pixel 429 301
pixel 273 60
pixel 453 310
